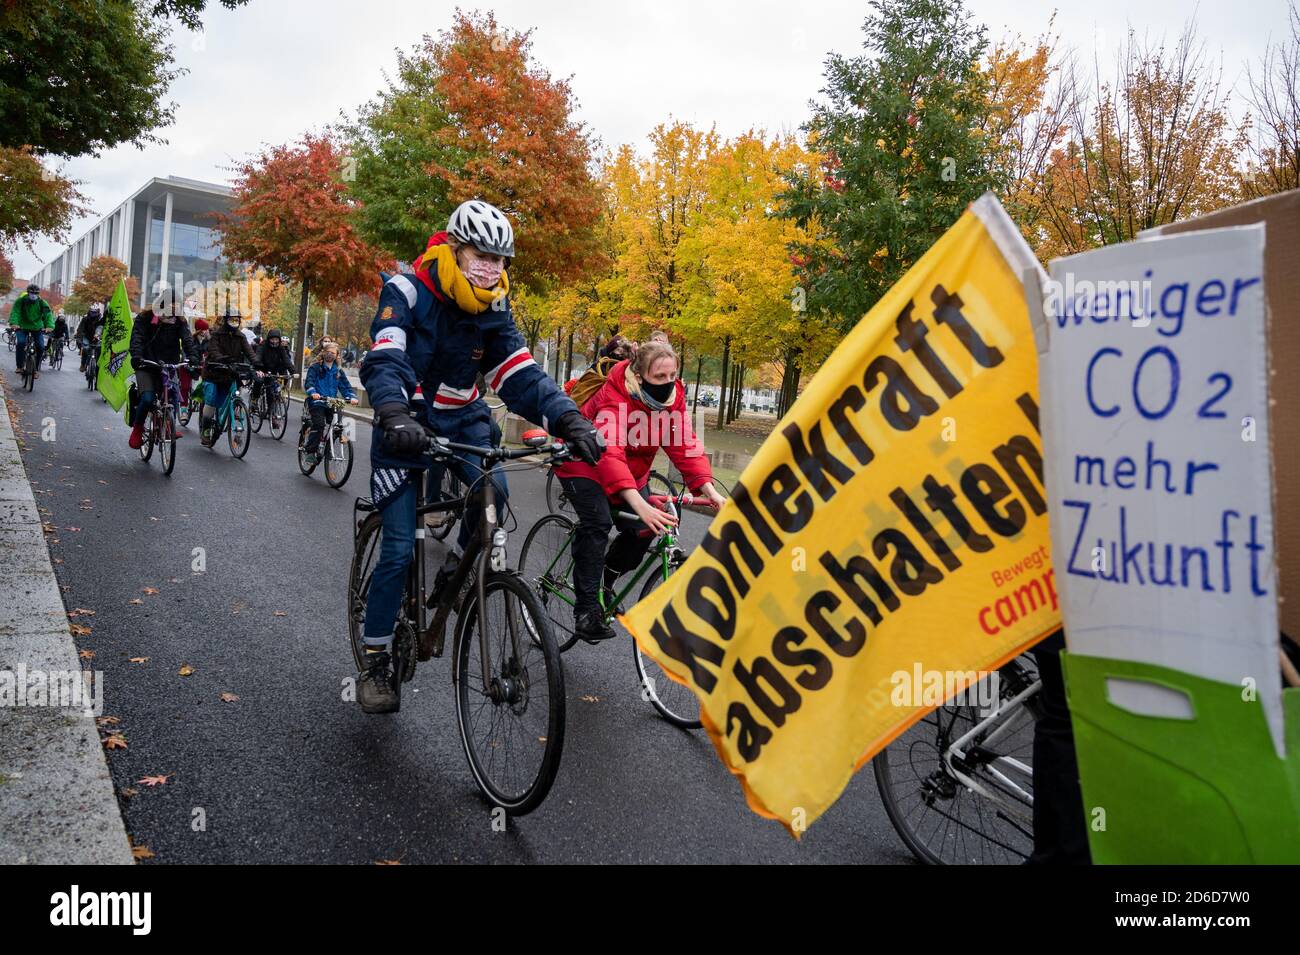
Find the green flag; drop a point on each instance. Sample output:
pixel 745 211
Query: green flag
pixel 115 370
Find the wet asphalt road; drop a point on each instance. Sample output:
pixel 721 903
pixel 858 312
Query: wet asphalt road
pixel 289 772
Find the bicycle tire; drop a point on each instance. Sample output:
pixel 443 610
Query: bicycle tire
pixel 147 439
pixel 302 453
pixel 557 502
pixel 331 475
pixel 238 425
pixel 546 733
pixel 544 538
pixel 167 450
pixel 255 416
pixel 282 406
pixel 365 554
pixel 674 702
pixel 943 793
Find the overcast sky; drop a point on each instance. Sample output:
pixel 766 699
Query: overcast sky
pixel 269 71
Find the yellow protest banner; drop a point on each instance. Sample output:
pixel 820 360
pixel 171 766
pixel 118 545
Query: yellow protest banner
pixel 893 527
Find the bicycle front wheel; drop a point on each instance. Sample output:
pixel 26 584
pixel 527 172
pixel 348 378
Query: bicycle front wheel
pixel 673 701
pixel 167 449
pixel 338 461
pixel 512 728
pixel 986 818
pixel 147 438
pixel 238 432
pixel 546 564
pixel 279 417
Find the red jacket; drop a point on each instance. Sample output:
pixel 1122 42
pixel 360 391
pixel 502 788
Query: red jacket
pixel 634 434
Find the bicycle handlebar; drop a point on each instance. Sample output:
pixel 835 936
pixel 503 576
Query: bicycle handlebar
pixel 443 448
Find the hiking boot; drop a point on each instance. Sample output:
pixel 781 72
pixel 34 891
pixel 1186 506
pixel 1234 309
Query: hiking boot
pixel 376 688
pixel 590 626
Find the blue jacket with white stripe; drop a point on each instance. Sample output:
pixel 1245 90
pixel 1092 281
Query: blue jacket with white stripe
pixel 421 339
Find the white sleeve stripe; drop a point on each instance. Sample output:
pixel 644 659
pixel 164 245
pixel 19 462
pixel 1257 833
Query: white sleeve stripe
pixel 380 346
pixel 509 358
pixel 406 287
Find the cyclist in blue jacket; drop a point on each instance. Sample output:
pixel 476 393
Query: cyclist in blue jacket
pixel 325 379
pixel 439 327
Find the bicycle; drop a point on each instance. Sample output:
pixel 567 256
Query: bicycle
pixel 335 447
pixel 232 416
pixel 160 427
pixel 10 339
pixel 54 354
pixel 449 489
pixel 271 407
pixel 31 360
pixel 546 563
pixel 958 784
pixel 506 672
pixel 92 366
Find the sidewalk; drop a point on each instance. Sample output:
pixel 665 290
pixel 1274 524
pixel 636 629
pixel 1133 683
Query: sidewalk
pixel 56 796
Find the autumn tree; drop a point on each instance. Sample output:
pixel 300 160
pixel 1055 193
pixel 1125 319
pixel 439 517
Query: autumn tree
pixel 1273 93
pixel 292 216
pixel 99 279
pixel 904 149
pixel 6 273
pixel 512 140
pixel 34 200
pixel 1152 146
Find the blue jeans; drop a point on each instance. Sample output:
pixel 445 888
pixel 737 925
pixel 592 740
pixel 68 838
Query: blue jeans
pixel 396 551
pixel 21 340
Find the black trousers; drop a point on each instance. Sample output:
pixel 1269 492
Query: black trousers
pixel 321 415
pixel 1060 824
pixel 595 519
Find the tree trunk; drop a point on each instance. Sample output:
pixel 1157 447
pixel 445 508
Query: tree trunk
pixel 558 379
pixel 722 395
pixel 699 367
pixel 299 357
pixel 568 360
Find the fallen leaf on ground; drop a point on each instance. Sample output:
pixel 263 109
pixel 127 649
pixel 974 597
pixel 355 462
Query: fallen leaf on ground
pixel 80 612
pixel 139 660
pixel 135 600
pixel 155 780
pixel 590 699
pixel 115 741
pixel 78 630
pixel 229 698
pixel 149 590
pixel 279 613
pixel 185 670
pixel 140 852
pixel 130 792
pixel 105 483
pixel 72 528
pixel 106 721
pixel 86 654
pixel 389 862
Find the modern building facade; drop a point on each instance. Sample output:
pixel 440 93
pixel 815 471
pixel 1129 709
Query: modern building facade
pixel 163 232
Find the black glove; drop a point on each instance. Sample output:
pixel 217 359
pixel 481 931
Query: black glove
pixel 403 435
pixel 587 443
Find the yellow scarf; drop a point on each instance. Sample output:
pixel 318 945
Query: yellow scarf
pixel 440 264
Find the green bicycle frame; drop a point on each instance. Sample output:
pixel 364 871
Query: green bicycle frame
pixel 658 555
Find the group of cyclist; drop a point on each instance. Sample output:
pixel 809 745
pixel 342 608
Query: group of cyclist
pixel 440 330
pixel 34 325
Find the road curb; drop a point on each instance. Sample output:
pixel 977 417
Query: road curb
pixel 57 804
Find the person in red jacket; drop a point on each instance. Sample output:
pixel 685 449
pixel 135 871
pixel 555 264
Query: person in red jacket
pixel 640 408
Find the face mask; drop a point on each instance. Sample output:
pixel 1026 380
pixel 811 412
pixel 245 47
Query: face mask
pixel 483 274
pixel 659 393
pixel 32 296
pixel 233 324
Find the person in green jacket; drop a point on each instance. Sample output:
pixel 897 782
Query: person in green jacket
pixel 32 317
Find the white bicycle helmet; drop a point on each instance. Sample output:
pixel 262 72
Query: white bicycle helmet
pixel 483 226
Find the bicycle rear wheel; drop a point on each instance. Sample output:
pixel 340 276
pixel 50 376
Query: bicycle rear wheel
pixel 673 701
pixel 940 818
pixel 255 410
pixel 148 437
pixel 512 729
pixel 546 565
pixel 303 466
